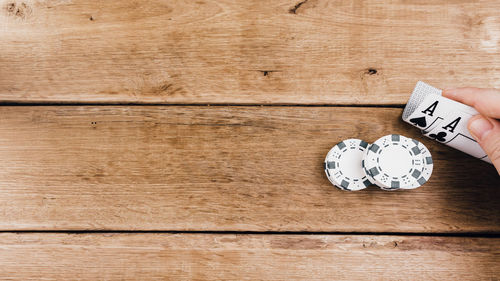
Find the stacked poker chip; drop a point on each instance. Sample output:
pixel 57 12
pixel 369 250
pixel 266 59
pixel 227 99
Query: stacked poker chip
pixel 392 162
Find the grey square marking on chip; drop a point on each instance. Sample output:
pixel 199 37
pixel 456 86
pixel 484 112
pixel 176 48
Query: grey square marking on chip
pixel 395 137
pixel 331 165
pixel 363 144
pixel 373 171
pixel 428 160
pixel 421 180
pixel 344 184
pixel 416 174
pixel 341 145
pixel 415 150
pixel 394 184
pixel 374 148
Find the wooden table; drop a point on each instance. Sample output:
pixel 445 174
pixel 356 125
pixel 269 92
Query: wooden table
pixel 152 140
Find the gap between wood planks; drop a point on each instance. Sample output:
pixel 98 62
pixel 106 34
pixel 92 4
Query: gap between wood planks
pixel 409 234
pixel 197 104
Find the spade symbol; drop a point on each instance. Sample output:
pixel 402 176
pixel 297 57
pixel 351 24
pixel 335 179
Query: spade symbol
pixel 419 121
pixel 439 137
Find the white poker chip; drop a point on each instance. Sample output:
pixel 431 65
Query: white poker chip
pixel 394 162
pixel 343 165
pixel 428 165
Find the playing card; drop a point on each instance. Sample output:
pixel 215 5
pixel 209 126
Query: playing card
pixel 452 131
pixel 421 91
pixel 442 119
pixel 431 111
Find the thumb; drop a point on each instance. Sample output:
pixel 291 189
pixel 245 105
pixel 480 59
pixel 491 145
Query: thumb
pixel 487 132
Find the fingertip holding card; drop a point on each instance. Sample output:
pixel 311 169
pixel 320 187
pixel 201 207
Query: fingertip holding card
pixel 442 119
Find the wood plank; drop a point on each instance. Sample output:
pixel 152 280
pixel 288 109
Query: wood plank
pixel 52 256
pixel 263 52
pixel 221 168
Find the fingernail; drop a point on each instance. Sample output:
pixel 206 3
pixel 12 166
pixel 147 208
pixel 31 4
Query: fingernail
pixel 479 127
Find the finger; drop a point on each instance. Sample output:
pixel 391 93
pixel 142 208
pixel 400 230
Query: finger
pixel 487 132
pixel 486 101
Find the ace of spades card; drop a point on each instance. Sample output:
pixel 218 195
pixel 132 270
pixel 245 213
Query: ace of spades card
pixel 442 119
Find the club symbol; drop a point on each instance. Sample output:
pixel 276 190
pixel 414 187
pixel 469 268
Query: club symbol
pixel 439 137
pixel 419 121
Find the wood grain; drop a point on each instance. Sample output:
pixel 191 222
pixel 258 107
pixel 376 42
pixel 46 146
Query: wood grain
pixel 257 52
pixel 221 168
pixel 245 257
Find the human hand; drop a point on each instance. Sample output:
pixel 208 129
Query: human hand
pixel 484 127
